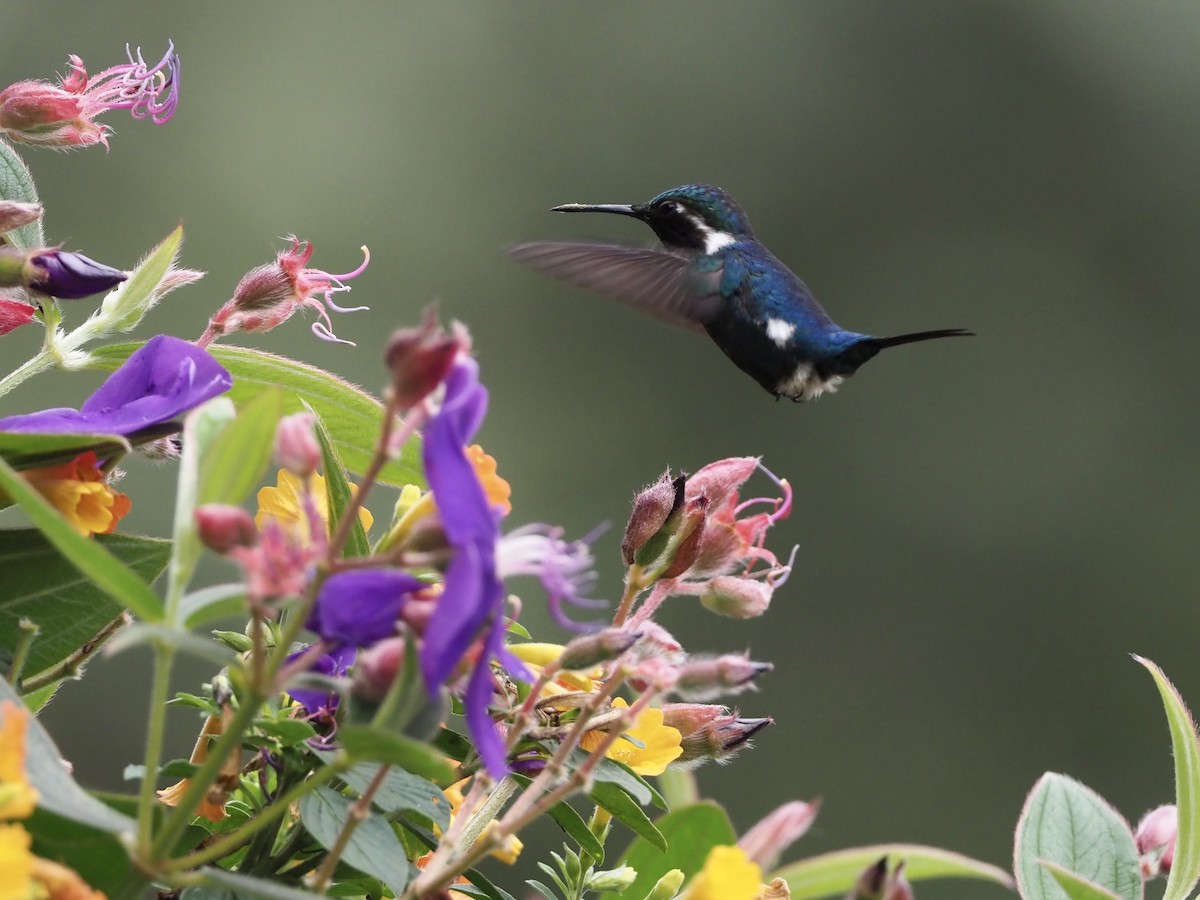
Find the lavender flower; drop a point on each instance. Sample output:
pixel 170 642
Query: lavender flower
pixel 563 567
pixel 153 388
pixel 334 664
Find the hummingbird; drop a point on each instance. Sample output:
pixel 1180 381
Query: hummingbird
pixel 713 275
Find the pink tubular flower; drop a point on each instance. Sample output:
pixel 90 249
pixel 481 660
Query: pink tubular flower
pixel 62 116
pixel 269 295
pixel 766 841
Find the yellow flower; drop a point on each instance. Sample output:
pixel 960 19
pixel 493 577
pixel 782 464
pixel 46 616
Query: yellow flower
pixel 17 796
pixel 77 489
pixel 16 863
pixel 660 744
pixel 57 882
pixel 728 874
pixel 537 656
pixel 283 503
pixel 506 853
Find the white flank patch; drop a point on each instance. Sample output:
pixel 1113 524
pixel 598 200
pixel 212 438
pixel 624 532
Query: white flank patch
pixel 780 331
pixel 717 240
pixel 805 384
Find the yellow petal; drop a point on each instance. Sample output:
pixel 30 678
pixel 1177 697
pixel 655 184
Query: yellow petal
pixel 728 874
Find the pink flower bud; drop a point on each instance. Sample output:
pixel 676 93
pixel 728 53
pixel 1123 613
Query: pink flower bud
pixel 14 314
pixel 650 511
pixel 590 650
pixel 766 841
pixel 692 529
pixel 738 598
pixel 222 527
pixel 710 732
pixel 877 883
pixel 377 667
pixel 721 479
pixel 14 214
pixel 708 678
pixel 1155 837
pixel 296 446
pixel 420 358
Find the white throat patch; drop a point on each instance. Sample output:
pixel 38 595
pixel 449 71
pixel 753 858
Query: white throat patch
pixel 713 240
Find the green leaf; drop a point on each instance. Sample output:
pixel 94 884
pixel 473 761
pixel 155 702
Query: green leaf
pixel 98 856
pixel 1066 823
pixel 833 874
pixel 28 451
pixel 90 557
pixel 352 416
pixel 210 603
pixel 619 774
pixel 238 456
pixel 16 183
pixel 626 811
pixel 1185 747
pixel 337 489
pixel 125 306
pixel 577 829
pixel 412 756
pixel 401 792
pixel 67 607
pixel 244 886
pixel 1075 887
pixel 690 833
pixel 289 731
pixel 58 793
pixel 373 848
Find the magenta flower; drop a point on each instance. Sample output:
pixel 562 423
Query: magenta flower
pixel 62 116
pixel 146 397
pixel 269 295
pixel 362 606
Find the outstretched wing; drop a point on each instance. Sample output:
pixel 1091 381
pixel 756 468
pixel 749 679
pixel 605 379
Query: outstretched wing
pixel 657 282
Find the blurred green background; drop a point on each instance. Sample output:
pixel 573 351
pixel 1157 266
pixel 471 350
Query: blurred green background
pixel 987 527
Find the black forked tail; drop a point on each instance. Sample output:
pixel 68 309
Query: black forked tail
pixel 848 361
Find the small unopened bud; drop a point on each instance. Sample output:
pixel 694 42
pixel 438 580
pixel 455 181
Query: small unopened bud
pixel 710 732
pixel 601 646
pixel 296 446
pixel 613 880
pixel 691 532
pixel 650 511
pixel 1155 837
pixel 420 359
pixel 222 527
pixel 877 883
pixel 14 214
pixel 657 641
pixel 738 598
pixel 775 889
pixel 14 314
pixel 377 667
pixel 667 886
pixel 703 678
pixel 778 830
pixel 68 276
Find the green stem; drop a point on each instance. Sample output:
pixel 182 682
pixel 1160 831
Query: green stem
pixel 29 633
pixel 679 788
pixel 35 366
pixel 148 799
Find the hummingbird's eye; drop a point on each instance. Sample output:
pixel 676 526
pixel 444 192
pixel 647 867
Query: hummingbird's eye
pixel 672 206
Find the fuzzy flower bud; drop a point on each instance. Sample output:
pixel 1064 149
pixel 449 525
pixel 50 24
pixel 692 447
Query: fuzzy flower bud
pixel 703 678
pixel 778 830
pixel 590 650
pixel 668 886
pixel 14 214
pixel 691 533
pixel 710 732
pixel 296 447
pixel 651 508
pixel 377 667
pixel 420 358
pixel 222 527
pixel 617 879
pixel 736 597
pixel 1155 837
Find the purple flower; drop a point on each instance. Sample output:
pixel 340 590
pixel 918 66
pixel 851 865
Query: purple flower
pixel 472 602
pixel 360 607
pixel 70 276
pixel 154 387
pixel 563 567
pixel 334 664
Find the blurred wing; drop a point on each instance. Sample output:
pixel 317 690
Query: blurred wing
pixel 655 281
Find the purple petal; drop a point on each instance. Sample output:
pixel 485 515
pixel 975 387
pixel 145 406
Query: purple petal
pixel 471 595
pixel 156 385
pixel 487 740
pixel 361 607
pixel 335 663
pixel 70 276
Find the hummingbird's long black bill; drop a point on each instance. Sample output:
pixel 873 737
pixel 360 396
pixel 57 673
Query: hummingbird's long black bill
pixel 620 209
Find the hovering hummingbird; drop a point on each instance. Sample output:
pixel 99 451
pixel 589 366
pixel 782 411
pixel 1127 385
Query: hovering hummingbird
pixel 713 275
